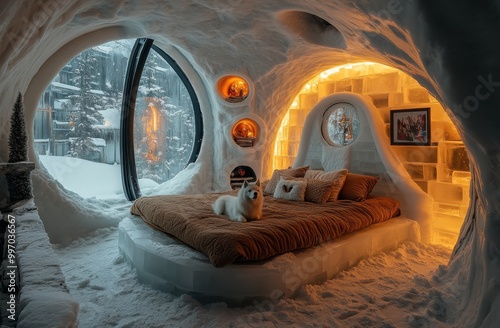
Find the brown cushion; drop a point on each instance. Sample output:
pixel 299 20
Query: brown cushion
pixel 263 184
pixel 338 177
pixel 357 186
pixel 298 172
pixel 319 191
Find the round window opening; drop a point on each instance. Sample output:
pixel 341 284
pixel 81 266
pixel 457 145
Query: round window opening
pixel 340 124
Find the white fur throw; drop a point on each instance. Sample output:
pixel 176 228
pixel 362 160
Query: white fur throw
pixel 290 190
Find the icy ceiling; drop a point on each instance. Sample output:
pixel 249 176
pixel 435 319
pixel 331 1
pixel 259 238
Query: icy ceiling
pixel 278 44
pixel 449 47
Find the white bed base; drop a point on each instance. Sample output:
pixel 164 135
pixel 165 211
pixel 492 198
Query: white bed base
pixel 171 266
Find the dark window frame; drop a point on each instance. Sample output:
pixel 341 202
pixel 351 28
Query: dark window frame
pixel 138 56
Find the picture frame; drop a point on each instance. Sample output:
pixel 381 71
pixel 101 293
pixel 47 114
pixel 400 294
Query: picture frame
pixel 410 127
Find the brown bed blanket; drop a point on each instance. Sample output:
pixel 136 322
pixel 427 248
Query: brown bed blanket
pixel 286 225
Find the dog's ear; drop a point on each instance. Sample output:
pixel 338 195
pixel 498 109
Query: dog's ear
pixel 245 183
pixel 257 183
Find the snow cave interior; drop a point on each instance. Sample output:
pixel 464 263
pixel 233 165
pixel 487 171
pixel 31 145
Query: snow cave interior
pixel 220 91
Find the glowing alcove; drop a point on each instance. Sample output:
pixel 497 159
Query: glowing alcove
pixel 233 88
pixel 441 169
pixel 245 132
pixel 240 174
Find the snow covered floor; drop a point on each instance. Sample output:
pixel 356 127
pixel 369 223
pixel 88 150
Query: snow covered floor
pixel 396 289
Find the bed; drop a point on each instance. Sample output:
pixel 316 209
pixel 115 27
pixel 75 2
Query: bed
pixel 286 225
pixel 177 244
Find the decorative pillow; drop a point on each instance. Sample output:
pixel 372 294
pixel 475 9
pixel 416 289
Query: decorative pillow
pixel 338 177
pixel 298 172
pixel 263 184
pixel 312 174
pixel 357 186
pixel 290 190
pixel 319 191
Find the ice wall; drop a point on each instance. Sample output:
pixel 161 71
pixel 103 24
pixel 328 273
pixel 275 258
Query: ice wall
pixel 468 73
pixel 449 47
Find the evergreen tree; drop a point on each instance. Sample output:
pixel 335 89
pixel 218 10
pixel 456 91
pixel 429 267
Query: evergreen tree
pixel 19 184
pixel 85 106
pixel 113 89
pixel 18 138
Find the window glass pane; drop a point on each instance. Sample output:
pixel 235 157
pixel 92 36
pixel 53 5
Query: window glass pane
pixel 77 121
pixel 341 124
pixel 164 123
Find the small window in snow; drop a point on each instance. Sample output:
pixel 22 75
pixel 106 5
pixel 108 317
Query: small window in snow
pixel 340 124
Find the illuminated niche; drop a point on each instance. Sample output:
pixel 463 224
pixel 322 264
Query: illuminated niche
pixel 232 88
pixel 240 174
pixel 245 132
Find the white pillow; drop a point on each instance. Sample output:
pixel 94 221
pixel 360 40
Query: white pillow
pixel 290 189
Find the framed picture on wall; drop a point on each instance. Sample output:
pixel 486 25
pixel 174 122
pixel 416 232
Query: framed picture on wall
pixel 411 127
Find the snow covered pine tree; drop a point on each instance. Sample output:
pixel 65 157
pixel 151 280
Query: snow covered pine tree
pixel 86 106
pixel 19 183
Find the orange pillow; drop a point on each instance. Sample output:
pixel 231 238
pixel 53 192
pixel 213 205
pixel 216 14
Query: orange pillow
pixel 358 186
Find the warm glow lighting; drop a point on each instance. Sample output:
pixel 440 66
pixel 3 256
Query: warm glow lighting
pixel 244 132
pixel 448 183
pixel 325 75
pixel 233 88
pixel 154 134
pixel 285 147
pixel 154 112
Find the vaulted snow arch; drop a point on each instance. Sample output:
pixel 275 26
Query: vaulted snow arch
pixel 369 153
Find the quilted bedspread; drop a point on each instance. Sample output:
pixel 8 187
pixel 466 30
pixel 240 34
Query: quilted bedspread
pixel 286 225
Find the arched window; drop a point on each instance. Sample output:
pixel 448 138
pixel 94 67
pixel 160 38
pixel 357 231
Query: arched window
pixel 161 123
pixel 81 124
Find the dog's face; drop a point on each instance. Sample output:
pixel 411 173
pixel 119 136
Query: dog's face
pixel 252 190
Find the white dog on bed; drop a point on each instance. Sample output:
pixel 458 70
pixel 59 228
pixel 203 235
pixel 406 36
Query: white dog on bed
pixel 246 206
